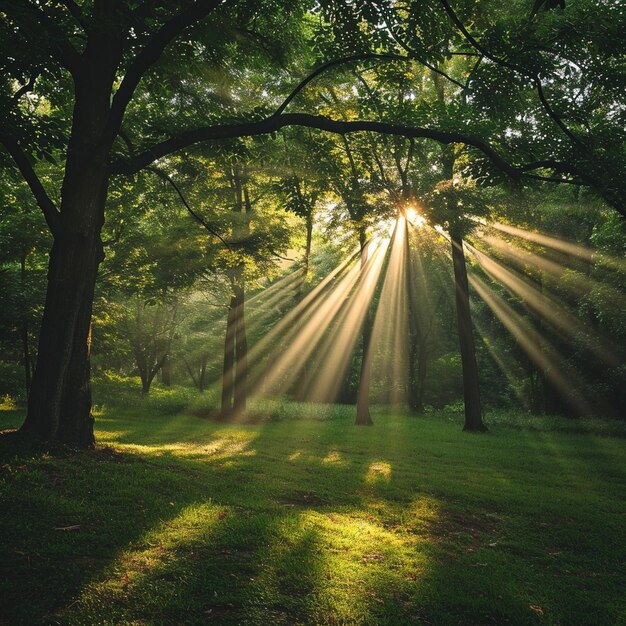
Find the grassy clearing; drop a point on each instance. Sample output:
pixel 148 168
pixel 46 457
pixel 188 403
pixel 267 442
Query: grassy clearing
pixel 175 519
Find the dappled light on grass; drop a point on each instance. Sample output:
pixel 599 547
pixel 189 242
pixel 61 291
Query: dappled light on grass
pixel 311 521
pixel 156 562
pixel 184 437
pixel 378 471
pixel 333 457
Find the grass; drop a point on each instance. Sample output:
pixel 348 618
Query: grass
pixel 175 519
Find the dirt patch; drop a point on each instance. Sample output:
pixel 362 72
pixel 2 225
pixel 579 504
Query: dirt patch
pixel 467 530
pixel 302 499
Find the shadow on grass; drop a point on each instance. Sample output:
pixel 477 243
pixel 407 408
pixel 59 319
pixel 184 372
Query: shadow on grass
pixel 192 522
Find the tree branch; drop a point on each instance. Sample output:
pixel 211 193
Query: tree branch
pixel 48 207
pixel 76 12
pixel 334 63
pixel 193 214
pixel 276 122
pixel 56 39
pixel 24 89
pixel 413 55
pixel 512 66
pixel 149 55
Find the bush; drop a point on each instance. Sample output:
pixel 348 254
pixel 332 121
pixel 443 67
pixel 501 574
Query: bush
pixel 12 380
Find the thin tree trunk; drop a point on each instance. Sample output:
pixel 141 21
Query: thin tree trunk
pixel 309 241
pixel 24 325
pixel 471 388
pixel 229 359
pixel 202 376
pixel 146 381
pixel 241 352
pixel 196 382
pixel 363 417
pixel 166 371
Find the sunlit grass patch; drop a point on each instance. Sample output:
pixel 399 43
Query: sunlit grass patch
pixel 313 521
pixel 378 471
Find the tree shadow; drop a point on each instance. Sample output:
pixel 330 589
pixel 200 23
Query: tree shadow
pixel 279 524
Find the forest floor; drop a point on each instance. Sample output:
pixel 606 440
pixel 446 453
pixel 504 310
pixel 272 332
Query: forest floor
pixel 180 520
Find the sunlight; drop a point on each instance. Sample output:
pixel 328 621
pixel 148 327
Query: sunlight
pixel 155 554
pixel 567 247
pixel 547 308
pixel 378 471
pixel 388 350
pixel 346 302
pixel 572 281
pixel 336 346
pixel 333 458
pixel 540 352
pixel 414 218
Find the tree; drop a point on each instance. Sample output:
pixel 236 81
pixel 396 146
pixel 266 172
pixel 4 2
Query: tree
pixel 455 206
pixel 117 46
pixel 96 67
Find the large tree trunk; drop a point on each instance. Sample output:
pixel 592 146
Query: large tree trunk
pixel 363 417
pixel 59 405
pixel 471 389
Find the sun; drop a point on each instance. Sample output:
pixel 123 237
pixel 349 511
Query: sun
pixel 414 217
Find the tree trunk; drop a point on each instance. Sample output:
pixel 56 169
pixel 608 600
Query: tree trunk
pixel 309 241
pixel 146 381
pixel 202 376
pixel 228 378
pixel 241 353
pixel 59 405
pixel 24 325
pixel 166 371
pixel 363 417
pixel 471 389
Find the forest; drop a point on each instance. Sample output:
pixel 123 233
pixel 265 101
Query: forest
pixel 233 233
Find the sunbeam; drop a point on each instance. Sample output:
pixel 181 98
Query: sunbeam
pixel 566 247
pixel 544 356
pixel 388 346
pixel 572 281
pixel 346 305
pixel 547 308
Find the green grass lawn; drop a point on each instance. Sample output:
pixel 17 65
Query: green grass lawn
pixel 176 519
